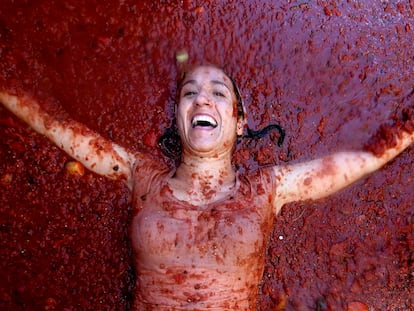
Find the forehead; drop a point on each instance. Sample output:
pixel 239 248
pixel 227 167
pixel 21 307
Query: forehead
pixel 206 74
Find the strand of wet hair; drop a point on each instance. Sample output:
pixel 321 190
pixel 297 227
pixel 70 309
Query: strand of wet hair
pixel 252 134
pixel 170 142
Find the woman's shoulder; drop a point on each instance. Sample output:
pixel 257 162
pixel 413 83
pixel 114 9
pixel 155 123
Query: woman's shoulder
pixel 146 165
pixel 145 170
pixel 260 180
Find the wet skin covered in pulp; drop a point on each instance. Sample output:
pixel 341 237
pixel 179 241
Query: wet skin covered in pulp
pixel 334 74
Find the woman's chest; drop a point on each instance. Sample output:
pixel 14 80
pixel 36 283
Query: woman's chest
pixel 169 233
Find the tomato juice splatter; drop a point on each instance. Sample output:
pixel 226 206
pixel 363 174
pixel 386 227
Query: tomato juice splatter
pixel 330 72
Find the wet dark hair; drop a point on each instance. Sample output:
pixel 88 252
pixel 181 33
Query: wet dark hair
pixel 170 141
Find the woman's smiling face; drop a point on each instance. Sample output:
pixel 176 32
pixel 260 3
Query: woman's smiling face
pixel 207 113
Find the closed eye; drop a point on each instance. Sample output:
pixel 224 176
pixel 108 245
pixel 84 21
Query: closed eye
pixel 219 94
pixel 190 93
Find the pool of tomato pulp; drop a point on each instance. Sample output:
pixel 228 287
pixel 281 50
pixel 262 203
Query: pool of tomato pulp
pixel 330 72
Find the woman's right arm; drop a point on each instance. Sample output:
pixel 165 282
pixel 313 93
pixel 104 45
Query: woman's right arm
pixel 92 150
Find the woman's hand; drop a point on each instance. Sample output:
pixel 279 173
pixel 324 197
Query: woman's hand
pixel 92 150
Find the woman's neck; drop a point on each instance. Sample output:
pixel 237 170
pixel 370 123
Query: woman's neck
pixel 203 180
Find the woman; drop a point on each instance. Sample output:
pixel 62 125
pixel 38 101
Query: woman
pixel 199 232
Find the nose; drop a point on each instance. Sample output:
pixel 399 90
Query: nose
pixel 203 99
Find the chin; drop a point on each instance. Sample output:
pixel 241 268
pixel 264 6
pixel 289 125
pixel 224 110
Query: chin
pixel 202 150
pixel 204 144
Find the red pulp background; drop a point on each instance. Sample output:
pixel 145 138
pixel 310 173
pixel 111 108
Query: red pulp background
pixel 330 72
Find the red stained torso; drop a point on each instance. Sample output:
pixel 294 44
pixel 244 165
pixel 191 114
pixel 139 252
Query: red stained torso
pixel 196 258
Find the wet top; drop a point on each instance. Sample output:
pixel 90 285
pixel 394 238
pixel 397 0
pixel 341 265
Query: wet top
pixel 328 71
pixel 199 257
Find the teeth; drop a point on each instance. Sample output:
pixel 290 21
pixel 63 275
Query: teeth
pixel 203 120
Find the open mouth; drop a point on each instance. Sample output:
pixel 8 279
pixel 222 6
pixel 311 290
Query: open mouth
pixel 203 121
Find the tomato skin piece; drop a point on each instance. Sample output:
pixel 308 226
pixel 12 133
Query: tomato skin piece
pixel 150 139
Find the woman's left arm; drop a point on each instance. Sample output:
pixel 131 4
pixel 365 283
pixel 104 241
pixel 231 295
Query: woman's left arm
pixel 322 177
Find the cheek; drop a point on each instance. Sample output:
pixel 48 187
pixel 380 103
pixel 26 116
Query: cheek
pixel 181 110
pixel 180 117
pixel 232 113
pixel 231 125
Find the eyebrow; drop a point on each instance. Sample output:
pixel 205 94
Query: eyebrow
pixel 211 81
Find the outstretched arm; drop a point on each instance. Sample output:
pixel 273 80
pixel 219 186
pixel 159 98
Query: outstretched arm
pixel 322 177
pixel 92 150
